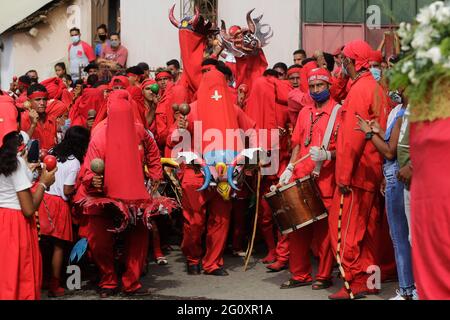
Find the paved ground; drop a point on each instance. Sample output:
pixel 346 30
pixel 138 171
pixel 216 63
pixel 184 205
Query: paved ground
pixel 172 283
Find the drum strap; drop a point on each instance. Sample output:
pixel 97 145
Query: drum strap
pixel 327 137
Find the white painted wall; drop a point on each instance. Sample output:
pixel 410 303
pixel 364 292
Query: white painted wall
pixel 24 52
pixel 6 62
pixel 148 33
pixel 282 15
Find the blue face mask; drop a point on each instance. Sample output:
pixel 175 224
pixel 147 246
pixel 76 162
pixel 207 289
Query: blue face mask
pixel 376 73
pixel 321 96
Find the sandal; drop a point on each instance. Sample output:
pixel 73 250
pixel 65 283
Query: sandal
pixel 291 283
pixel 162 261
pixel 105 293
pixel 322 284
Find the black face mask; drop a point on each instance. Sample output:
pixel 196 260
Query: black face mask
pixel 102 38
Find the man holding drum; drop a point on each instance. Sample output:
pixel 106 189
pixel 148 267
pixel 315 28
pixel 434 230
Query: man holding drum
pixel 314 135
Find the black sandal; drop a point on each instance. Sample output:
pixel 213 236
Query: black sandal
pixel 322 284
pixel 105 293
pixel 291 283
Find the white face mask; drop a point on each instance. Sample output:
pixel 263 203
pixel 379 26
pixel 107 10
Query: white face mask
pixel 75 39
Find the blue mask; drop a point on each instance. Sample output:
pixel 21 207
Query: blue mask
pixel 320 97
pixel 376 73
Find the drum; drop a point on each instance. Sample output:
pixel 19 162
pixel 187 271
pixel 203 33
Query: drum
pixel 296 205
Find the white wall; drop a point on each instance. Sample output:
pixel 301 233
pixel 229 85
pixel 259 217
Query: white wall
pixel 49 47
pixel 148 33
pixel 6 62
pixel 282 15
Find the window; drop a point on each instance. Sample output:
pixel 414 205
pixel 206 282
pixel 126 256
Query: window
pixel 354 11
pixel 208 9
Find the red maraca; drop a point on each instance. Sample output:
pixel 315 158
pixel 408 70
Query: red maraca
pixel 42 154
pixel 14 78
pixel 50 162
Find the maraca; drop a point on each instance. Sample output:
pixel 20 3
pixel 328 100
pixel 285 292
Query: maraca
pixel 50 162
pixel 155 88
pixel 185 109
pixel 98 166
pixel 175 108
pixel 14 78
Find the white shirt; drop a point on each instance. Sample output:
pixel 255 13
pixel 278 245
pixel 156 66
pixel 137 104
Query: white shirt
pixel 65 176
pixel 9 186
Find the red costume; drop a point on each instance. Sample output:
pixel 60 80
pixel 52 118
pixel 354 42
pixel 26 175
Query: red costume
pixel 430 208
pixel 124 145
pixel 301 241
pixel 215 110
pixel 269 115
pixel 91 99
pixel 358 166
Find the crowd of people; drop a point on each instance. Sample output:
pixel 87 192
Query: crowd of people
pixel 115 129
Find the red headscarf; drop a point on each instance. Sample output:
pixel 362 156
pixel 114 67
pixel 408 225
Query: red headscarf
pixel 294 70
pixel 319 74
pixel 215 107
pixel 163 74
pixel 376 56
pixel 304 86
pixel 124 177
pixel 91 99
pixel 147 83
pixel 360 51
pixel 8 117
pixel 55 87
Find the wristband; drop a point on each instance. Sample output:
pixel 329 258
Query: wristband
pixel 44 185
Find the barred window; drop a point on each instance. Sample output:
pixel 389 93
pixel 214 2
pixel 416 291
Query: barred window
pixel 208 9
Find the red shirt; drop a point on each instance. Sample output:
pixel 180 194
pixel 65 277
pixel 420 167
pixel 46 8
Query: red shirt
pixel 120 55
pixel 306 130
pixel 358 163
pixel 45 132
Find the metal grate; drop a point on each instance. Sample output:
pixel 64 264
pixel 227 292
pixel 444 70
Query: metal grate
pixel 208 8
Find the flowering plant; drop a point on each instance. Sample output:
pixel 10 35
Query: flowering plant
pixel 424 70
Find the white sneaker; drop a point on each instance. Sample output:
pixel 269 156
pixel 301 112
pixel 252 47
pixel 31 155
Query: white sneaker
pixel 415 296
pixel 239 253
pixel 398 296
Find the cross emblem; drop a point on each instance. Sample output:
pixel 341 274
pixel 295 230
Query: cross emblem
pixel 216 96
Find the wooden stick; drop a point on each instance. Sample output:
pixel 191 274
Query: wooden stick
pixel 301 160
pixel 255 223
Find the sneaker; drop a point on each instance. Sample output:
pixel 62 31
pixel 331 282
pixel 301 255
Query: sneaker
pixel 400 297
pixel 415 295
pixel 239 253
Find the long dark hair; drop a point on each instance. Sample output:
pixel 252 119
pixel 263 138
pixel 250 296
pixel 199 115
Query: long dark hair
pixel 8 154
pixel 75 142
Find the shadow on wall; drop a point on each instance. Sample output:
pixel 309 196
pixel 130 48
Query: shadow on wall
pixel 47 48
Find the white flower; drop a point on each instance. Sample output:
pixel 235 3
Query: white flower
pixel 447 64
pixel 443 15
pixel 425 15
pixel 434 54
pixel 435 7
pixel 412 77
pixel 407 66
pixel 423 37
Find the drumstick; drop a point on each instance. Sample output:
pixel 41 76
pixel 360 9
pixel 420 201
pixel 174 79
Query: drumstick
pixel 301 160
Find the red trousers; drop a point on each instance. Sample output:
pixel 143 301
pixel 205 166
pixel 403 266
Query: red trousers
pixel 196 205
pixel 101 246
pixel 238 213
pixel 313 237
pixel 359 231
pixel 266 225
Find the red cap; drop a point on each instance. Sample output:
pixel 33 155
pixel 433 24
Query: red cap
pixel 120 80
